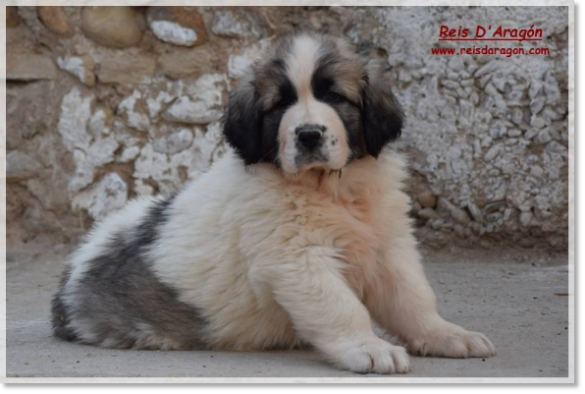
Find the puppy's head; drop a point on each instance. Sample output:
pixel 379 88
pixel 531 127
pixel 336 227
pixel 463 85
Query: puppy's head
pixel 312 102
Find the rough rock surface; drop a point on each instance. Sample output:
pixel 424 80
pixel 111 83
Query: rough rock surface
pixel 29 67
pixel 12 18
pixel 177 26
pixel 55 19
pixel 239 22
pixel 121 107
pixel 126 70
pixel 80 67
pixel 114 27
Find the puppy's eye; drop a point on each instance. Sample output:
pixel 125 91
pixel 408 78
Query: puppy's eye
pixel 334 97
pixel 281 104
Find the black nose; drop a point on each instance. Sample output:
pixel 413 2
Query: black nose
pixel 309 135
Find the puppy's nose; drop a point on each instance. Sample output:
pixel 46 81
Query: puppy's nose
pixel 309 135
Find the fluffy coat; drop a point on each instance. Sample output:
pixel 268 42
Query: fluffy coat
pixel 271 251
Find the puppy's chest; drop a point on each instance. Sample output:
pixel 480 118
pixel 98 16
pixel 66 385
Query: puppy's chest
pixel 353 227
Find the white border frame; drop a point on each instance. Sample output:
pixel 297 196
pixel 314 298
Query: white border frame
pixel 349 380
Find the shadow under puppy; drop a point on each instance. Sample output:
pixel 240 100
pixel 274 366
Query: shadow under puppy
pixel 301 235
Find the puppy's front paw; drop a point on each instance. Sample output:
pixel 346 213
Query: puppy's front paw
pixel 453 341
pixel 372 355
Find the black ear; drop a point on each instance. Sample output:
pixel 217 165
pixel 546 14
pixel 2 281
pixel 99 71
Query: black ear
pixel 382 115
pixel 242 122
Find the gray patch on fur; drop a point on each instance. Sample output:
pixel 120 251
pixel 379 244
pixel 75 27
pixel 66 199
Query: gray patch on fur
pixel 120 302
pixel 61 313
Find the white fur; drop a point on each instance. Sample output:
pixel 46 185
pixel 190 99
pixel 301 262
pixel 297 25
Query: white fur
pixel 273 261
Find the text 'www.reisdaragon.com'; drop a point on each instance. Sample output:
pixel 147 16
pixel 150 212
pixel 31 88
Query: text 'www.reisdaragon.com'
pixel 487 50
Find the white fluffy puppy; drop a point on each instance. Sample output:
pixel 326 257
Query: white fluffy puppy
pixel 301 236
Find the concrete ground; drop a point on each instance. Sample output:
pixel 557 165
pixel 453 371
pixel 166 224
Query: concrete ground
pixel 517 298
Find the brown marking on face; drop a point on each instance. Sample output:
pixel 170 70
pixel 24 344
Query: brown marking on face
pixel 340 61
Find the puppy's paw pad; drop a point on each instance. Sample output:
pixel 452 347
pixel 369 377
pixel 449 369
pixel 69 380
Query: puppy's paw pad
pixel 375 356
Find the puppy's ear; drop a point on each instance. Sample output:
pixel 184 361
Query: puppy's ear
pixel 382 114
pixel 242 122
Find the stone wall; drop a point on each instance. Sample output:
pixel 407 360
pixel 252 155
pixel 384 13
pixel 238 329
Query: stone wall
pixel 105 104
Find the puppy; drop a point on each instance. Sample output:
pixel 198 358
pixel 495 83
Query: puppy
pixel 299 236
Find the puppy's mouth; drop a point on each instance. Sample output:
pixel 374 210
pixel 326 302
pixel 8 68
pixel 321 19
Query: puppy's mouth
pixel 311 159
pixel 316 164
